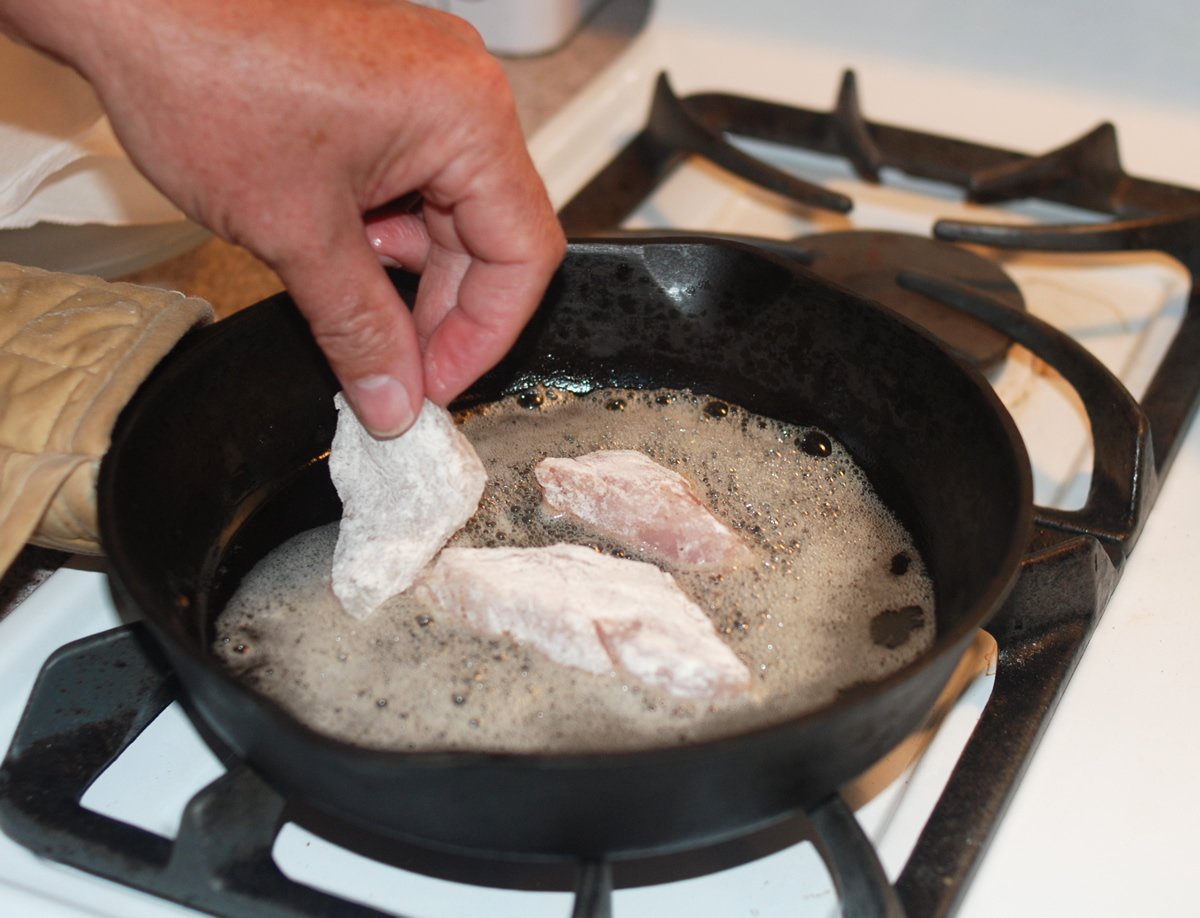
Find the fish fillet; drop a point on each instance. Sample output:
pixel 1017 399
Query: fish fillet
pixel 401 500
pixel 590 611
pixel 627 495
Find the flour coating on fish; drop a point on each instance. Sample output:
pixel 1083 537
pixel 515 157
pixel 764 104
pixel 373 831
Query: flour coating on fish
pixel 590 611
pixel 402 499
pixel 625 494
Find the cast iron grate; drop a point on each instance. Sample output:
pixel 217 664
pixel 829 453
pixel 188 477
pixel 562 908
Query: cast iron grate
pixel 1076 557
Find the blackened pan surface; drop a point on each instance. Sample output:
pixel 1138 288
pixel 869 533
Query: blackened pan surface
pixel 220 458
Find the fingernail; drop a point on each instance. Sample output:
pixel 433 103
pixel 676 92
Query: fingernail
pixel 382 404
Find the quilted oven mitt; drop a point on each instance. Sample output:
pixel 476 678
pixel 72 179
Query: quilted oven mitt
pixel 72 352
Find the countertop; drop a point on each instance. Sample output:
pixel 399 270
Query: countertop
pixel 231 278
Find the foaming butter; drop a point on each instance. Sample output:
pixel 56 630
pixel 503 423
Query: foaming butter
pixel 835 593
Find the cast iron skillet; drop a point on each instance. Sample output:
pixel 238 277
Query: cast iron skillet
pixel 220 457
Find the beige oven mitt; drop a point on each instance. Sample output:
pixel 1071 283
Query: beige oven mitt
pixel 72 352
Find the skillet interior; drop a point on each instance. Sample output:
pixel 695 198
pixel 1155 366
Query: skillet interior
pixel 219 459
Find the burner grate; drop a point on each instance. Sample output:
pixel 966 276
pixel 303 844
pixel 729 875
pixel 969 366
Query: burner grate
pixel 1084 174
pixel 1076 557
pixel 91 701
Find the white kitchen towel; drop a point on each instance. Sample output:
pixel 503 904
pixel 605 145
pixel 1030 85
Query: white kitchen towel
pixel 59 159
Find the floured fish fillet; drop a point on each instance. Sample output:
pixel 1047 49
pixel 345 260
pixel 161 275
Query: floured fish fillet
pixel 401 500
pixel 590 611
pixel 627 495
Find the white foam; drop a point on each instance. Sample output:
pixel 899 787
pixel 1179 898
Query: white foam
pixel 800 616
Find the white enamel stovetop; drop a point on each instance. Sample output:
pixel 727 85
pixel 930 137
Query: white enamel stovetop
pixel 1102 823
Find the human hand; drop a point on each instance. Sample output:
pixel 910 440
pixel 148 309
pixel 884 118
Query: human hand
pixel 279 124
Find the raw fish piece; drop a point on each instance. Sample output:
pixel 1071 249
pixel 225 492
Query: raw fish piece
pixel 590 611
pixel 401 500
pixel 630 497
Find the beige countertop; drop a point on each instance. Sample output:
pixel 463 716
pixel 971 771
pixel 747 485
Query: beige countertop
pixel 231 278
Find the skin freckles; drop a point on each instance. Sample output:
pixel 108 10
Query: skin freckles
pixel 288 126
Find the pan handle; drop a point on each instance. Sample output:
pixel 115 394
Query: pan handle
pixel 1124 482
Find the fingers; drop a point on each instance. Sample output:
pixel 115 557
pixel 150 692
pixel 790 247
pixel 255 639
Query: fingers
pixel 485 245
pixel 440 290
pixel 404 241
pixel 515 250
pixel 495 302
pixel 363 327
pixel 470 309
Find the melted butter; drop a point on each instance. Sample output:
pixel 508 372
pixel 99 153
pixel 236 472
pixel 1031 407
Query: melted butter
pixel 830 567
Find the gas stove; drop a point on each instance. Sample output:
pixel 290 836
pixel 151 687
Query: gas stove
pixel 955 130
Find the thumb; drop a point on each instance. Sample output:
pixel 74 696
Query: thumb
pixel 364 329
